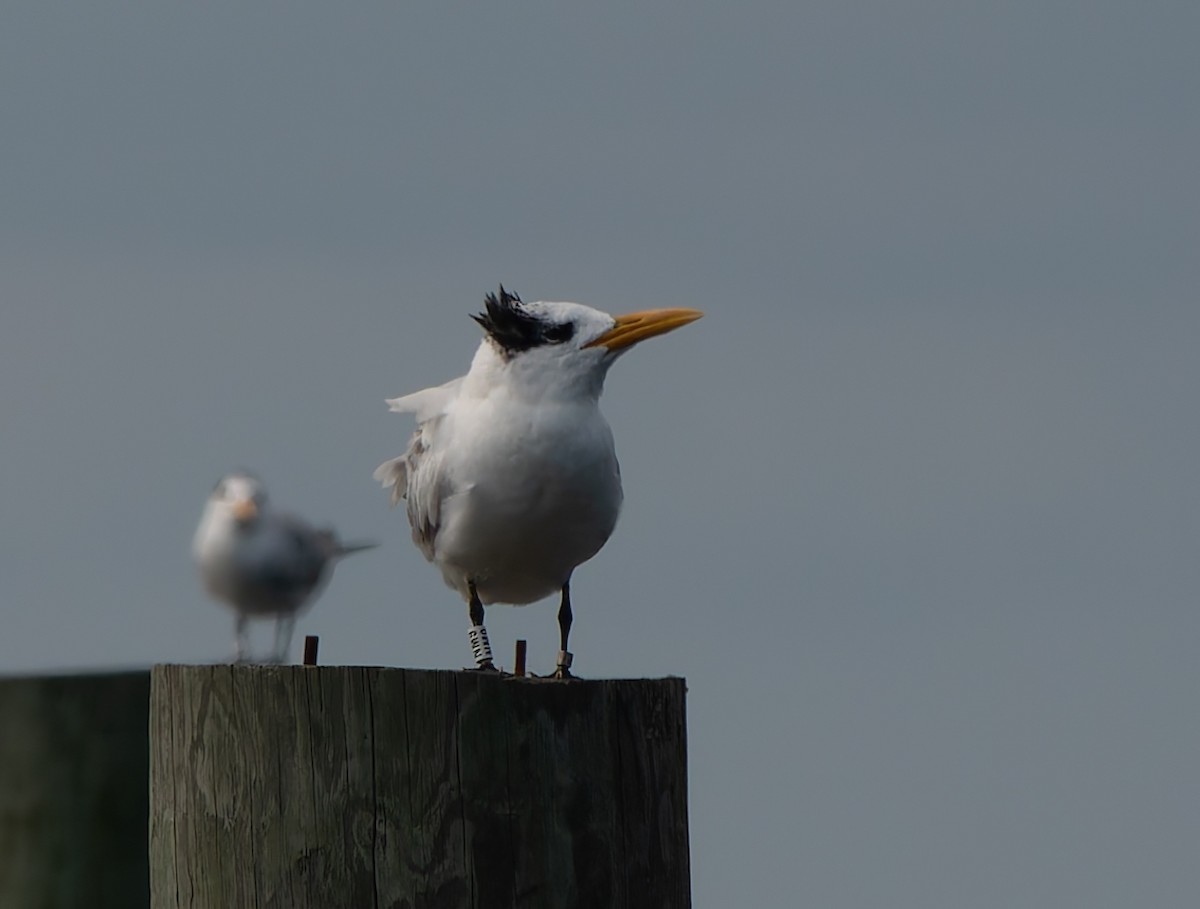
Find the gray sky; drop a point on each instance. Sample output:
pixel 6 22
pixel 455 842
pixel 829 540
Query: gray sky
pixel 914 509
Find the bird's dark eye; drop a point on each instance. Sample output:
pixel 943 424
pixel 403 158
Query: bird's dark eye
pixel 557 334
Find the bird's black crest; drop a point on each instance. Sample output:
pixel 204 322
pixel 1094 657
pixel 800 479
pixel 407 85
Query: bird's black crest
pixel 514 328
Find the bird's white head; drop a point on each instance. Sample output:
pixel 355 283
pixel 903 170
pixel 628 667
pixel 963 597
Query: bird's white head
pixel 239 496
pixel 563 348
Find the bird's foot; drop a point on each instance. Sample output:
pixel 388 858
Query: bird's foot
pixel 563 668
pixel 487 666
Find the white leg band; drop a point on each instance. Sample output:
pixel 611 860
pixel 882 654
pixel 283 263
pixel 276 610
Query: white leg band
pixel 480 648
pixel 564 659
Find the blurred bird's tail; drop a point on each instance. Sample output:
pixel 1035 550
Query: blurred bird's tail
pixel 336 549
pixel 345 549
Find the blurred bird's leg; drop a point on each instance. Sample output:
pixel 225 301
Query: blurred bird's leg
pixel 563 668
pixel 239 638
pixel 284 626
pixel 480 648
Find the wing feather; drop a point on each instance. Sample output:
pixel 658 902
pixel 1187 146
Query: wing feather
pixel 294 560
pixel 416 475
pixel 428 402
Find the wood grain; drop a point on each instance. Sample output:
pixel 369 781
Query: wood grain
pixel 410 789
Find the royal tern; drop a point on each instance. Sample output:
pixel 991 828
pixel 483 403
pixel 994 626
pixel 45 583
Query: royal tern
pixel 511 479
pixel 260 562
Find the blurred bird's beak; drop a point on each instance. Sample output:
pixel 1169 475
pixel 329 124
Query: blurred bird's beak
pixel 245 510
pixel 638 326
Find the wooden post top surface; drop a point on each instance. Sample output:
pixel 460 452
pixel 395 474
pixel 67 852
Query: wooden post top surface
pixel 268 668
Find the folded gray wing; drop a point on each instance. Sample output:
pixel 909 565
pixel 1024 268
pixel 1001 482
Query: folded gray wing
pixel 416 476
pixel 293 563
pixel 426 487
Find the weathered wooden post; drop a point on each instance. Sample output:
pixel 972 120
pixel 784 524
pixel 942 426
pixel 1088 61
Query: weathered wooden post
pixel 362 787
pixel 74 763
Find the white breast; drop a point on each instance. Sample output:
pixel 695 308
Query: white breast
pixel 532 492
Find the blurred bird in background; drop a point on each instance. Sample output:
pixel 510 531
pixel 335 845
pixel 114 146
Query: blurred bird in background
pixel 511 479
pixel 260 562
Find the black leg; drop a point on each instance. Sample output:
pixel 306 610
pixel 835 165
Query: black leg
pixel 476 608
pixel 480 648
pixel 564 617
pixel 563 669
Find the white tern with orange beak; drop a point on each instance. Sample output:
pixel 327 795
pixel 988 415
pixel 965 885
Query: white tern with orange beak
pixel 511 480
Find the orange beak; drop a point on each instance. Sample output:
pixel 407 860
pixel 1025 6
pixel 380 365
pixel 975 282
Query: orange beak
pixel 245 510
pixel 638 326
